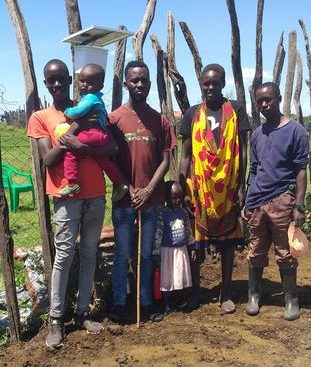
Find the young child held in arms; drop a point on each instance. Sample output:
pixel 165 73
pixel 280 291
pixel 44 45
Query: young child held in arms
pixel 174 235
pixel 91 81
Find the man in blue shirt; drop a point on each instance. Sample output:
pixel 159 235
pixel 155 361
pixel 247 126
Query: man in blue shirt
pixel 275 198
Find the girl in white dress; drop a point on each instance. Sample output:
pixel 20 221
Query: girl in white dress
pixel 174 235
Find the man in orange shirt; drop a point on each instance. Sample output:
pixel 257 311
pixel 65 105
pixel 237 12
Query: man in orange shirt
pixel 80 213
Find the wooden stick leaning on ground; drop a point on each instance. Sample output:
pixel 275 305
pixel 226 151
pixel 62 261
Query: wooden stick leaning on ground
pixel 138 271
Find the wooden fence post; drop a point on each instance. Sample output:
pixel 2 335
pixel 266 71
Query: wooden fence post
pixel 140 36
pixel 308 53
pixel 118 68
pixel 165 97
pixel 291 66
pixel 7 261
pixel 180 88
pixel 299 115
pixel 236 53
pixel 258 72
pixel 279 61
pixel 33 104
pixel 74 25
pixel 193 48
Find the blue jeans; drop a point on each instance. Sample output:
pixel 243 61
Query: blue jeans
pixel 123 220
pixel 71 217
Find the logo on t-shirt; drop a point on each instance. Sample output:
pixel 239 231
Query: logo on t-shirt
pixel 178 229
pixel 213 123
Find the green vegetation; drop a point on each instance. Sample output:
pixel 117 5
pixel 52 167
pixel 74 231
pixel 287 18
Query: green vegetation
pixel 24 224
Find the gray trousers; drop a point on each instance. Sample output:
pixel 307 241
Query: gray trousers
pixel 71 217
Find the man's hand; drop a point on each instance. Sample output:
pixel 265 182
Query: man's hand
pixel 140 197
pixel 241 197
pixel 193 255
pixel 70 142
pixel 298 218
pixel 188 205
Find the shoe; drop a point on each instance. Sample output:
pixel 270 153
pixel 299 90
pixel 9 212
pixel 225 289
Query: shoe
pixel 178 303
pixel 167 309
pixel 55 335
pixel 119 192
pixel 117 314
pixel 67 190
pixel 150 314
pixel 194 301
pixel 84 321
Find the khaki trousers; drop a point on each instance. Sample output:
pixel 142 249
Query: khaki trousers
pixel 269 224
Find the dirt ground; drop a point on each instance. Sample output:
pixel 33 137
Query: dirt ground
pixel 205 337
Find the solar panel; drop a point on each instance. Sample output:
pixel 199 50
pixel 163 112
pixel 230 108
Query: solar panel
pixel 97 36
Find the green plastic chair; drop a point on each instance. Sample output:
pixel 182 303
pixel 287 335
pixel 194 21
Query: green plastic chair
pixel 16 181
pixel 5 178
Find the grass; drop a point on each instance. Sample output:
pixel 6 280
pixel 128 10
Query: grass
pixel 24 224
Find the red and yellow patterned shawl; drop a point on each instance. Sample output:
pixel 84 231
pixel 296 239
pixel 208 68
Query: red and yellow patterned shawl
pixel 215 172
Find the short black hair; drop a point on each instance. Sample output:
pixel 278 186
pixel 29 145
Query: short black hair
pixel 215 67
pixel 52 62
pixel 135 64
pixel 168 188
pixel 97 68
pixel 272 85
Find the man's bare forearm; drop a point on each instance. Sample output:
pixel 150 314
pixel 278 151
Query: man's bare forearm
pixel 159 173
pixel 243 158
pixel 107 150
pixel 301 186
pixel 185 163
pixel 49 155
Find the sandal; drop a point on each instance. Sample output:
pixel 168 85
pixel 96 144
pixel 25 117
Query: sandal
pixel 228 306
pixel 150 315
pixel 156 317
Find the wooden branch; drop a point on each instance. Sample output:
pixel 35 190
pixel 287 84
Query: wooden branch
pixel 7 262
pixel 298 89
pixel 236 53
pixel 140 35
pixel 308 54
pixel 73 16
pixel 279 61
pixel 159 54
pixel 32 99
pixel 258 71
pixel 292 56
pixel 46 231
pixel 118 68
pixel 163 83
pixel 74 25
pixel 164 91
pixel 32 104
pixel 193 48
pixel 180 88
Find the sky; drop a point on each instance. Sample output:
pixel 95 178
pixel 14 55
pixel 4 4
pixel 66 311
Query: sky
pixel 209 23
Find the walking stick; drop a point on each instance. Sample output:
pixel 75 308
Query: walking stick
pixel 138 271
